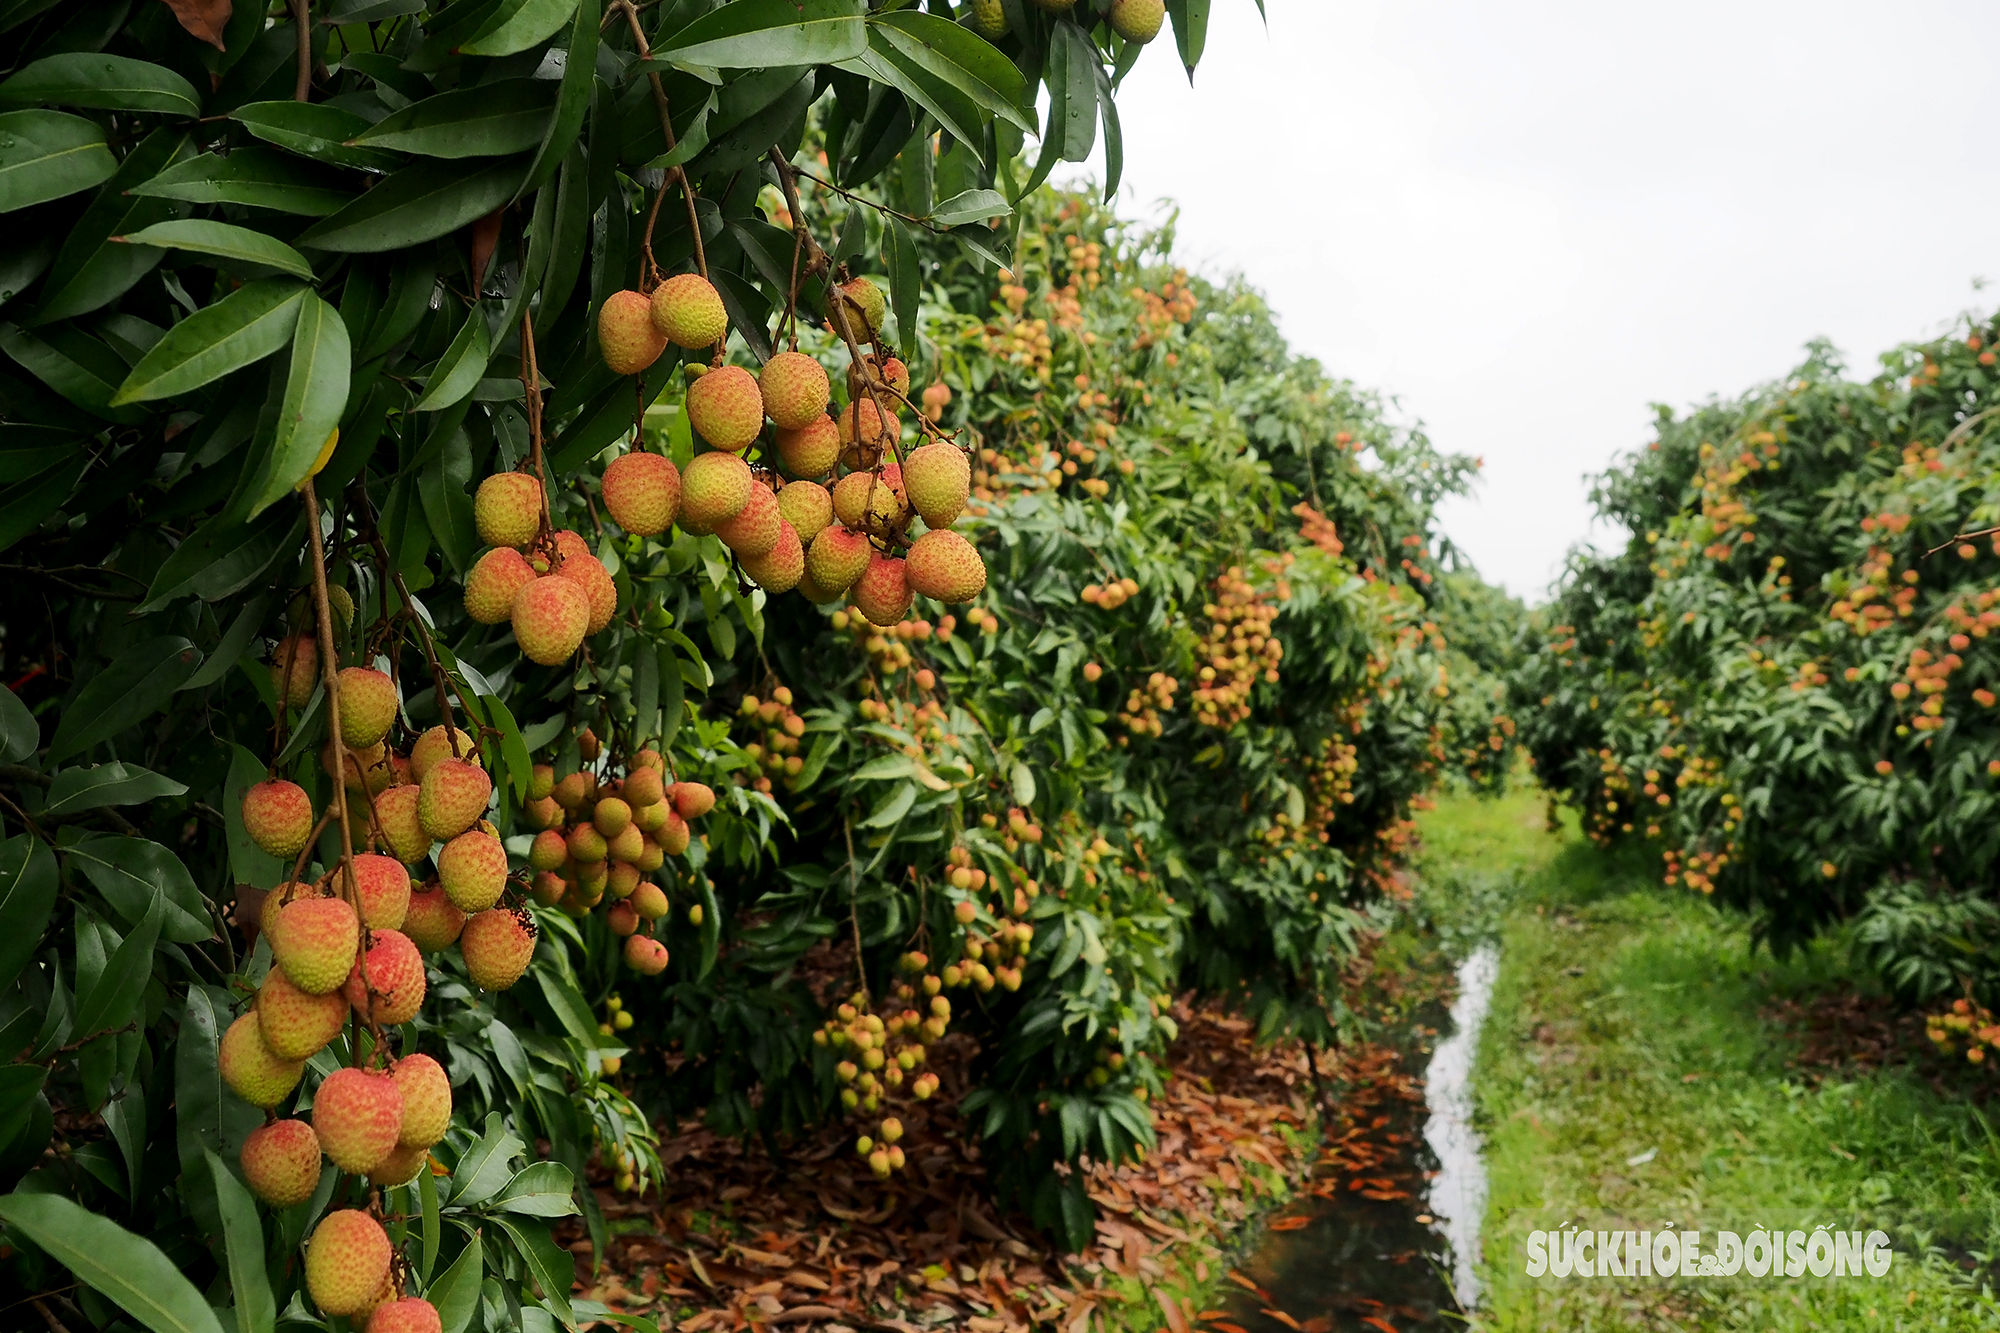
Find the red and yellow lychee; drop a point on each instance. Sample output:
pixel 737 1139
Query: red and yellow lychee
pixel 551 617
pixel 855 310
pixel 795 390
pixel 426 1100
pixel 314 940
pixel 473 870
pixel 278 816
pixel 250 1069
pixel 810 450
pixel 882 593
pixel 688 312
pixel 625 333
pixel 347 1262
pixel 295 669
pixel 946 566
pixel 388 982
pixel 281 1162
pixel 645 955
pixel 434 922
pixel 400 827
pixel 838 556
pixel 780 568
pixel 726 408
pixel 495 581
pixel 938 480
pixel 452 796
pixel 714 490
pixel 384 887
pixel 643 492
pixel 294 1023
pixel 582 567
pixel 497 945
pixel 753 531
pixel 507 509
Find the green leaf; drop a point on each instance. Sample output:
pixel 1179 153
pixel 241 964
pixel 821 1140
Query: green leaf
pixel 517 25
pixel 514 750
pixel 1190 19
pixel 571 1009
pixel 963 59
pixel 885 62
pixel 224 240
pixel 220 559
pixel 433 1228
pixel 75 365
pixel 92 270
pixel 315 397
pixel 456 1294
pixel 892 808
pixel 486 1165
pixel 111 1000
pixel 20 734
pixel 315 130
pixel 1022 780
pixel 441 488
pixel 541 1189
pixel 971 206
pixel 48 154
pixel 128 1270
pixel 109 83
pixel 1114 135
pixel 252 176
pixel 905 284
pixel 419 203
pixel 549 1264
pixel 25 507
pixel 579 80
pixel 759 34
pixel 461 367
pixel 243 1238
pixel 132 873
pixel 28 883
pixel 1071 75
pixel 247 325
pixel 79 789
pixel 134 687
pixel 507 116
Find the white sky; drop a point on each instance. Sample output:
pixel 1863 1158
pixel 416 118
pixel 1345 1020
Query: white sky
pixel 1529 221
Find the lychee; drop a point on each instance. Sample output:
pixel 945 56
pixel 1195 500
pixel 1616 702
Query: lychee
pixel 726 408
pixel 582 567
pixel 644 787
pixel 393 990
pixel 495 581
pixel 357 1114
pixel 623 918
pixel 275 900
pixel 838 557
pixel 649 901
pixel 692 800
pixel 314 940
pixel 628 845
pixel 295 669
pixel 1138 20
pixel 571 792
pixel 946 566
pixel 891 374
pixel 453 795
pixel 250 1069
pixel 989 19
pixel 645 955
pixel 674 835
pixel 855 310
pixel 400 1167
pixel 551 616
pixel 882 593
pixel 548 851
pixel 810 450
pixel 411 1314
pixel 367 767
pixel 278 816
pixel 623 877
pixel 547 888
pixel 611 815
pixel 384 886
pixel 434 922
pixel 473 869
pixel 507 509
pixel 625 333
pixel 293 1023
pixel 347 1262
pixel 814 593
pixel 714 490
pixel 436 744
pixel 426 1100
pixel 754 531
pixel 688 312
pixel 401 829
pixel 864 433
pixel 795 390
pixel 281 1162
pixel 643 492
pixel 497 945
pixel 808 507
pixel 586 844
pixel 871 501
pixel 780 568
pixel 938 479
pixel 541 781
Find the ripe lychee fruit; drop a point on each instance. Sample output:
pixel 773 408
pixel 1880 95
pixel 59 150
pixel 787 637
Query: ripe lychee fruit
pixel 401 829
pixel 946 566
pixel 882 593
pixel 780 568
pixel 411 1314
pixel 347 1262
pixel 574 790
pixel 688 311
pixel 496 579
pixel 891 374
pixel 674 835
pixel 714 490
pixel 295 669
pixel 808 507
pixel 497 945
pixel 625 333
pixel 650 902
pixel 644 787
pixel 395 979
pixel 426 1100
pixel 548 888
pixel 400 1167
pixel 871 501
pixel 551 616
pixel 795 390
pixel 855 310
pixel 357 1114
pixel 541 781
pixel 434 922
pixel 938 479
pixel 726 408
pixel 295 1024
pixel 643 492
pixel 250 1069
pixel 691 800
pixel 507 509
pixel 473 869
pixel 582 567
pixel 278 816
pixel 366 768
pixel 314 940
pixel 645 955
pixel 275 900
pixel 281 1162
pixel 839 555
pixel 548 851
pixel 810 450
pixel 1138 20
pixel 586 844
pixel 384 886
pixel 612 816
pixel 623 877
pixel 435 744
pixel 452 796
pixel 623 918
pixel 816 594
pixel 629 845
pixel 864 433
pixel 754 531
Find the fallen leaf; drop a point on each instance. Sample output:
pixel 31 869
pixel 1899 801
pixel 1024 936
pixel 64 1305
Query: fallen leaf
pixel 1290 1223
pixel 1379 1322
pixel 1285 1319
pixel 203 19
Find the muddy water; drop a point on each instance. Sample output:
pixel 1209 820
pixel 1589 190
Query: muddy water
pixel 1391 1221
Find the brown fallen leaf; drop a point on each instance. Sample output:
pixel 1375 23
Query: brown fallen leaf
pixel 1175 1319
pixel 1285 1319
pixel 799 1314
pixel 1290 1223
pixel 1379 1322
pixel 1245 1283
pixel 203 19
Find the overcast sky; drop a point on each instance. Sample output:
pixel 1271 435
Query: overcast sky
pixel 1527 222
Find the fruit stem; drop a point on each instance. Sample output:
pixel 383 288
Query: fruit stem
pixel 302 23
pixel 438 677
pixel 667 128
pixel 853 906
pixel 531 395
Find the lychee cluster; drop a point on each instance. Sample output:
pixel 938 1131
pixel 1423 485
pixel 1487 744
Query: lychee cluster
pixel 1241 649
pixel 1110 596
pixel 547 584
pixel 776 738
pixel 1141 714
pixel 880 1055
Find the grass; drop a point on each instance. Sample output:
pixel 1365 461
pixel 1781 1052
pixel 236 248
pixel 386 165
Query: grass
pixel 1627 1021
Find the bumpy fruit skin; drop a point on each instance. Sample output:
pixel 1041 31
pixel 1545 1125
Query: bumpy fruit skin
pixel 248 1067
pixel 412 1314
pixel 714 490
pixel 780 568
pixel 864 433
pixel 400 1167
pixel 281 1162
pixel 1138 20
pixel 808 507
pixel 612 815
pixel 497 945
pixel 548 851
pixel 989 19
pixel 395 978
pixel 435 744
pixel 838 557
pixel 452 796
pixel 315 940
pixel 810 450
pixel 495 581
pixel 434 922
pixel 795 390
pixel 643 492
pixel 643 787
pixel 892 374
pixel 426 1100
pixel 551 616
pixel 645 955
pixel 816 594
pixel 295 669
pixel 855 309
pixel 882 593
pixel 691 800
pixel 473 869
pixel 622 919
pixel 347 1262
pixel 357 1114
pixel 938 480
pixel 582 567
pixel 292 1023
pixel 404 833
pixel 625 333
pixel 274 902
pixel 674 835
pixel 507 509
pixel 366 767
pixel 628 846
pixel 586 844
pixel 869 500
pixel 754 531
pixel 946 566
pixel 278 816
pixel 726 408
pixel 650 902
pixel 688 312
pixel 384 885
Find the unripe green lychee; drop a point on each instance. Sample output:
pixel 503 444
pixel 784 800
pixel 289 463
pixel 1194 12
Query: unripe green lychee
pixel 987 18
pixel 394 985
pixel 938 480
pixel 810 450
pixel 295 669
pixel 452 796
pixel 304 619
pixel 396 809
pixel 278 816
pixel 692 800
pixel 507 509
pixel 754 531
pixel 643 492
pixel 855 309
pixel 572 791
pixel 434 922
pixel 347 1261
pixel 1056 6
pixel 714 490
pixel 541 781
pixel 643 787
pixel 628 845
pixel 281 1162
pixel 384 885
pixel 779 569
pixel 497 945
pixel 688 311
pixel 726 408
pixel 426 1100
pixel 586 844
pixel 250 1069
pixel 865 432
pixel 548 851
pixel 435 744
pixel 357 1114
pixel 870 501
pixel 551 617
pixel 837 557
pixel 582 567
pixel 473 870
pixel 293 1023
pixel 1138 20
pixel 795 390
pixel 411 1314
pixel 882 593
pixel 496 579
pixel 368 706
pixel 807 507
pixel 645 955
pixel 314 940
pixel 367 767
pixel 400 1167
pixel 623 878
pixel 650 902
pixel 946 566
pixel 612 816
pixel 625 333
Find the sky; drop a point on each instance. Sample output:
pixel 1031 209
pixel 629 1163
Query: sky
pixel 1529 222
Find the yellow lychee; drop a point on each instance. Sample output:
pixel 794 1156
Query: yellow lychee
pixel 495 581
pixel 625 333
pixel 714 490
pixel 688 312
pixel 938 479
pixel 726 408
pixel 1138 20
pixel 807 507
pixel 795 389
pixel 810 450
pixel 856 309
pixel 754 530
pixel 944 565
pixel 872 501
pixel 581 566
pixel 643 492
pixel 507 509
pixel 837 558
pixel 783 566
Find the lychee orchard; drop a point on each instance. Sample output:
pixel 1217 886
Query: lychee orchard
pixel 584 574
